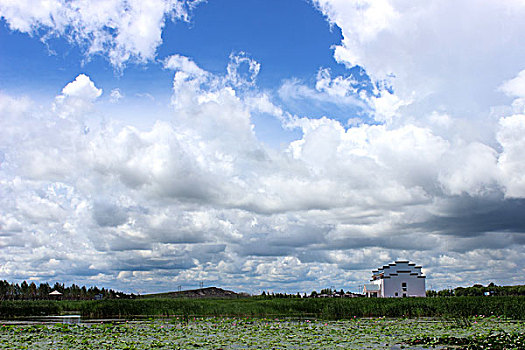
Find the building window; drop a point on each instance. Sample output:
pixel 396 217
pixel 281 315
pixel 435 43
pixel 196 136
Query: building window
pixel 397 294
pixel 404 286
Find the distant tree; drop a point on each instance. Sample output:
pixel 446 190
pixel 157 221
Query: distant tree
pixel 520 290
pixel 33 293
pixel 83 293
pixel 4 290
pixel 446 293
pixel 326 291
pixel 59 287
pixel 24 290
pixel 476 290
pixel 15 291
pixel 431 293
pixel 43 291
pixel 492 289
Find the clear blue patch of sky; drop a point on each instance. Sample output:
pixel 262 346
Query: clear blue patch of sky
pixel 27 66
pixel 269 130
pixel 290 39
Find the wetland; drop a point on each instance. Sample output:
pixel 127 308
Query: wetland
pixel 266 333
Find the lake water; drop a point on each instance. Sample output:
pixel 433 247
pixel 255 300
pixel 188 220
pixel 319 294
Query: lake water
pixel 63 319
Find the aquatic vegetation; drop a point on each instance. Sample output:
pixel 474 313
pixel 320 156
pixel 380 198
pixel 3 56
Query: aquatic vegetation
pixel 493 341
pixel 266 333
pixel 326 308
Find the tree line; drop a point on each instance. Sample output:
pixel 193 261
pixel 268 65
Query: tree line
pixel 30 291
pixel 313 294
pixel 475 290
pixel 479 290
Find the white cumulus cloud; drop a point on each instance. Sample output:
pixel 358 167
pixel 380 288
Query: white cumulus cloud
pixel 122 30
pixel 452 55
pixel 82 87
pixel 77 97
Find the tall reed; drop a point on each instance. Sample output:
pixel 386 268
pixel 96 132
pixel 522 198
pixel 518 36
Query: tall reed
pixel 329 308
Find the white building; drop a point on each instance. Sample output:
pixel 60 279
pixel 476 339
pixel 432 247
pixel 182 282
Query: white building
pixel 398 279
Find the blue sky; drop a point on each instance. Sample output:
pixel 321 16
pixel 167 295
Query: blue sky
pixel 213 32
pixel 261 145
pixel 287 50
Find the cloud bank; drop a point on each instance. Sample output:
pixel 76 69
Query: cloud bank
pixel 430 169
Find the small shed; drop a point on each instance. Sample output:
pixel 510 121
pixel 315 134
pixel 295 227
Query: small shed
pixel 55 294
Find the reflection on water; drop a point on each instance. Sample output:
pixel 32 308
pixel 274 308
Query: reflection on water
pixel 65 319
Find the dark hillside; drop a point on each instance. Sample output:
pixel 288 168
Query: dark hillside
pixel 210 292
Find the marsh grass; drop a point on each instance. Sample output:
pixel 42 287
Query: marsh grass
pixel 457 307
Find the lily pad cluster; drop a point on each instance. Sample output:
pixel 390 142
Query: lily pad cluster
pixel 265 333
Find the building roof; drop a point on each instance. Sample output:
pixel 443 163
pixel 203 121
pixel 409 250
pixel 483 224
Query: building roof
pixel 55 292
pixel 397 267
